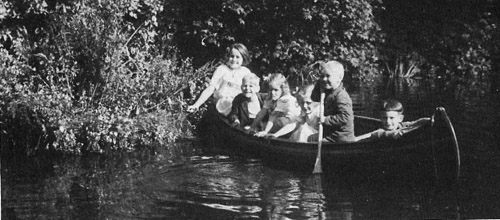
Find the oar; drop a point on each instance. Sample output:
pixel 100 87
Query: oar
pixel 317 165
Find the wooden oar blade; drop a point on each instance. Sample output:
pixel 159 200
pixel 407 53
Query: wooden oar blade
pixel 317 167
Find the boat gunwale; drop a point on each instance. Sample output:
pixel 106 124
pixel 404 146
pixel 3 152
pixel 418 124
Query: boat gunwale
pixel 360 147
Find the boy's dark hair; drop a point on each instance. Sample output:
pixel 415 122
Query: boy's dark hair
pixel 391 105
pixel 243 51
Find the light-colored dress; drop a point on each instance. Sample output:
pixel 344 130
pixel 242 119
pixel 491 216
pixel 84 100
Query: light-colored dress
pixel 308 126
pixel 227 84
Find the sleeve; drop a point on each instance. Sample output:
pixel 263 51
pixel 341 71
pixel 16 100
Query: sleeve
pixel 417 123
pixel 413 125
pixel 268 105
pixel 216 80
pixel 380 133
pixel 260 117
pixel 344 114
pixel 233 115
pixel 376 134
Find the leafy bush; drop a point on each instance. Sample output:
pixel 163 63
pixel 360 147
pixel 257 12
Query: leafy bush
pixel 148 113
pixel 92 80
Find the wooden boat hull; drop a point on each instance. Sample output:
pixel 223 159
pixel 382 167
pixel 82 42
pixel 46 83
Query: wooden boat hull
pixel 431 144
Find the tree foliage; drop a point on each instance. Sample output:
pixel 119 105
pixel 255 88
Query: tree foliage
pixel 456 40
pixel 282 35
pixel 88 76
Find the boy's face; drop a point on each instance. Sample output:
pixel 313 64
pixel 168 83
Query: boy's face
pixel 391 120
pixel 330 79
pixel 275 91
pixel 249 88
pixel 235 60
pixel 307 105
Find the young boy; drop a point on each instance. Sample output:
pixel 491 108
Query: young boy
pixel 339 116
pixel 393 127
pixel 248 103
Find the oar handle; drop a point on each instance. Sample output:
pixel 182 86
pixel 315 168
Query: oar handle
pixel 322 107
pixel 317 165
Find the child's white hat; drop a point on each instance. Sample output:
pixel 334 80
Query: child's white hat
pixel 333 67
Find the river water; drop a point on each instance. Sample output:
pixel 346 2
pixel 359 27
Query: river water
pixel 189 180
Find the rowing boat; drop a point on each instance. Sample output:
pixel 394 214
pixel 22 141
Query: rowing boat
pixel 434 143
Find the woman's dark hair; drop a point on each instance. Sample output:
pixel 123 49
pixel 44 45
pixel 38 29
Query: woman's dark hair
pixel 243 51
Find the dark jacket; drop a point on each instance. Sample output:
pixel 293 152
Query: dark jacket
pixel 339 116
pixel 239 109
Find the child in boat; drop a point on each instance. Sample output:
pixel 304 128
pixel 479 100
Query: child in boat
pixel 309 118
pixel 339 116
pixel 306 124
pixel 226 81
pixel 393 127
pixel 280 106
pixel 247 104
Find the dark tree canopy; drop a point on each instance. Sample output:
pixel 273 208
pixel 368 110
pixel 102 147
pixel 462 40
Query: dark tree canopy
pixel 282 35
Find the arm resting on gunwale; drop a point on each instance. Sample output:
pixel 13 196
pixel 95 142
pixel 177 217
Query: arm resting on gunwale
pixel 404 128
pixel 285 130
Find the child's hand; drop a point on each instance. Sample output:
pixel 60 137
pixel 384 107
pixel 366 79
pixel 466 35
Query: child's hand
pixel 236 123
pixel 319 121
pixel 192 109
pixel 251 130
pixel 261 134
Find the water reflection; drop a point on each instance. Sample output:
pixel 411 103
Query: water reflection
pixel 238 189
pixel 210 183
